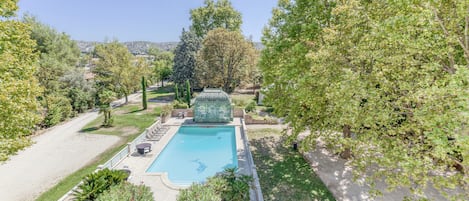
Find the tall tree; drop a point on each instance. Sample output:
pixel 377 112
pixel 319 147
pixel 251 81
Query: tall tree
pixel 188 93
pixel 19 88
pixel 114 70
pixel 58 56
pixel 176 92
pixel 81 92
pixel 215 14
pixel 105 99
pixel 377 73
pixel 223 59
pixel 162 64
pixel 185 58
pixel 144 93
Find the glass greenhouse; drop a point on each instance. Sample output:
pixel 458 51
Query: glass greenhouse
pixel 213 106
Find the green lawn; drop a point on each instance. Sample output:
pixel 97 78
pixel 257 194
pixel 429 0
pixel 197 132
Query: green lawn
pixel 128 120
pixel 241 100
pixel 283 173
pixel 163 93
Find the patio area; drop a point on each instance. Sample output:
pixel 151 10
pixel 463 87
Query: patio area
pixel 162 188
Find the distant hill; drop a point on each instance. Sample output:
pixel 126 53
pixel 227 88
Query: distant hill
pixel 141 47
pixel 135 47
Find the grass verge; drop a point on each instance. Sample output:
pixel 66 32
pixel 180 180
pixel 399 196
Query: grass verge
pixel 125 117
pixel 283 172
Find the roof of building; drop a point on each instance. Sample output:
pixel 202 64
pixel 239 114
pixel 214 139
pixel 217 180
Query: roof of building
pixel 210 94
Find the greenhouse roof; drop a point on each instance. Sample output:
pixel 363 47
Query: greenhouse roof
pixel 212 95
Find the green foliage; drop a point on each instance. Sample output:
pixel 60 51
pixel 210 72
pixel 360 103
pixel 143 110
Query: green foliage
pixel 188 93
pixel 198 192
pixel 96 183
pixel 393 73
pixel 251 107
pixel 105 99
pixel 11 146
pixel 57 73
pixel 179 105
pixel 114 70
pixel 176 92
pixel 80 91
pixel 162 65
pixel 19 107
pixel 166 110
pixel 126 191
pixel 227 185
pixel 215 14
pixel 8 8
pixel 58 109
pixel 223 60
pixel 144 94
pixel 185 57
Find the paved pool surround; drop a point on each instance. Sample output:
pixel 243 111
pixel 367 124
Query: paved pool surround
pixel 163 189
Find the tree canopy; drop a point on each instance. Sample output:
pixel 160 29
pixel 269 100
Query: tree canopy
pixel 59 56
pixel 19 88
pixel 223 59
pixel 162 64
pixel 384 74
pixel 215 14
pixel 185 57
pixel 114 70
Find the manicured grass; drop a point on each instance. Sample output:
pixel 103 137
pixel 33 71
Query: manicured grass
pixel 241 100
pixel 283 172
pixel 166 92
pixel 125 117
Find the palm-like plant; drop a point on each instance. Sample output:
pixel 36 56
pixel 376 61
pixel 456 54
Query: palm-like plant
pixel 96 183
pixel 105 98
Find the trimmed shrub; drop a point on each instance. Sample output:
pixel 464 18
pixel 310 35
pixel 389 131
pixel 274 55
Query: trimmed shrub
pixel 127 191
pixel 96 183
pixel 179 105
pixel 224 186
pixel 198 192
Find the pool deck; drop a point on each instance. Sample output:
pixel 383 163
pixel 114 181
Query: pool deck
pixel 162 188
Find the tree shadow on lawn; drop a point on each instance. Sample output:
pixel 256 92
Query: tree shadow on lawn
pixel 89 129
pixel 162 99
pixel 284 174
pixel 135 111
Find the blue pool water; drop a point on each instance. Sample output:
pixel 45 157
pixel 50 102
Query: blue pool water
pixel 195 153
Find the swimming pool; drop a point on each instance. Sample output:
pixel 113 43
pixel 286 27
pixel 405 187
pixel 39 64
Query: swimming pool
pixel 195 153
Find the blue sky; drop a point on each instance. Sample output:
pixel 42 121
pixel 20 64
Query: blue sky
pixel 138 20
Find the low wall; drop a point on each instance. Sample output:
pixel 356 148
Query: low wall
pixel 249 120
pixel 189 112
pixel 238 112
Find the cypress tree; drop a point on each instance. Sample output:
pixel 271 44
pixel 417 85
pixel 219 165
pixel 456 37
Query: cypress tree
pixel 144 93
pixel 176 92
pixel 188 93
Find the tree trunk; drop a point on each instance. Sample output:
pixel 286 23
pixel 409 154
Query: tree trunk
pixel 162 83
pixel 105 118
pixel 346 154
